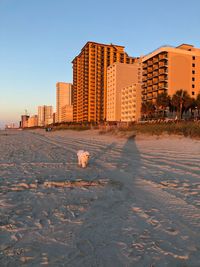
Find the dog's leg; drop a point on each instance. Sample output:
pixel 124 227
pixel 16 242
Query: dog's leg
pixel 79 161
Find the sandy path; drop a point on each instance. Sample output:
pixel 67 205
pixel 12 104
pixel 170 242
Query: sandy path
pixel 147 213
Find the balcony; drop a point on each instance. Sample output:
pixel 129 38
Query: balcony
pixel 149 90
pixel 155 87
pixel 155 80
pixel 149 62
pixel 144 72
pixel 144 79
pixel 163 64
pixel 144 65
pixel 155 95
pixel 149 97
pixel 163 56
pixel 149 69
pixel 155 67
pixel 162 78
pixel 162 91
pixel 162 71
pixel 155 59
pixel 144 86
pixel 155 73
pixel 162 85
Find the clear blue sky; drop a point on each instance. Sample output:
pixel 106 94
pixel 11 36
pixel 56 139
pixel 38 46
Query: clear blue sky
pixel 39 39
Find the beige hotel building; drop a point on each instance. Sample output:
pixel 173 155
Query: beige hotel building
pixel 90 79
pixel 64 108
pixel 171 69
pixel 119 76
pixel 131 103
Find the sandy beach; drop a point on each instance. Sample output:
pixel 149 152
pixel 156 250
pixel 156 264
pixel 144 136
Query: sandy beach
pixel 136 204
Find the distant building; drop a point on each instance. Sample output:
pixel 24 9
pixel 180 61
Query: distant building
pixel 67 113
pixel 90 79
pixel 24 121
pixel 131 103
pixel 54 117
pixel 168 69
pixel 33 121
pixel 120 75
pixel 45 115
pixel 11 126
pixel 63 98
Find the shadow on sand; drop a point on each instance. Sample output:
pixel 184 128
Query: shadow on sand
pixel 102 236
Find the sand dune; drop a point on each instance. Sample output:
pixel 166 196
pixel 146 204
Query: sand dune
pixel 137 203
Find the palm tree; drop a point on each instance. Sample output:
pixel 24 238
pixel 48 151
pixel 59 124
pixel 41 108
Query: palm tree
pixel 198 103
pixel 162 102
pixel 181 101
pixel 147 109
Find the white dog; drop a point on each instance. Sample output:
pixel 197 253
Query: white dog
pixel 83 158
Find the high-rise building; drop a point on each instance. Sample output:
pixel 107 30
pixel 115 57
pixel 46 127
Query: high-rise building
pixel 33 121
pixel 131 103
pixel 45 115
pixel 90 79
pixel 67 113
pixel 120 75
pixel 24 121
pixel 170 69
pixel 63 98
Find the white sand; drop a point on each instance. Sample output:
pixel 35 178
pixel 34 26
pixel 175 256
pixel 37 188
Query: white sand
pixel 146 214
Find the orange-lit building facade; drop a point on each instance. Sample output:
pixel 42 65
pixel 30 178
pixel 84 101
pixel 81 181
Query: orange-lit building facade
pixel 170 69
pixel 67 113
pixel 45 115
pixel 63 98
pixel 33 121
pixel 90 79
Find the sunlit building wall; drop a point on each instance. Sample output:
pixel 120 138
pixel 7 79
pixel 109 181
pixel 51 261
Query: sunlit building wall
pixel 63 98
pixel 67 113
pixel 45 115
pixel 131 103
pixel 119 75
pixel 33 121
pixel 170 69
pixel 90 79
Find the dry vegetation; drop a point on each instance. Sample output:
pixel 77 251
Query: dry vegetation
pixel 188 129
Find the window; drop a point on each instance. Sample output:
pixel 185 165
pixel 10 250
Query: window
pixel 193 93
pixel 193 72
pixel 193 79
pixel 193 58
pixel 193 65
pixel 193 86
